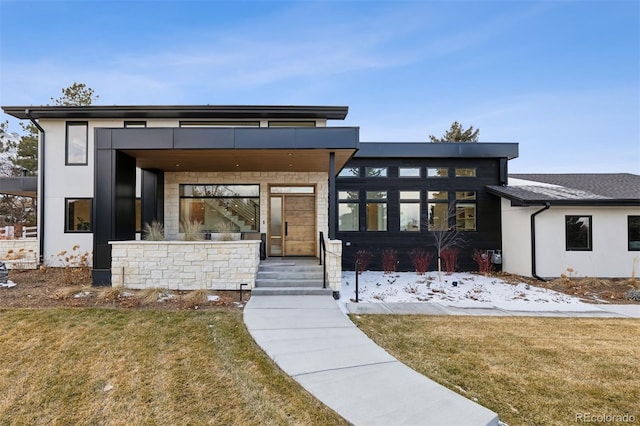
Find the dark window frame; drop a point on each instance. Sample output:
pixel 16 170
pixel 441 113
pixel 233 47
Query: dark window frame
pixel 354 201
pixel 589 233
pixel 67 223
pixel 629 233
pixel 368 176
pixel 86 143
pixel 376 201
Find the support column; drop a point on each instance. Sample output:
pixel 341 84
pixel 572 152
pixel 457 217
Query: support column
pixel 152 199
pixel 332 196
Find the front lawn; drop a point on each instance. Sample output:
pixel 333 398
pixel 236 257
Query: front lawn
pixel 531 371
pixel 107 366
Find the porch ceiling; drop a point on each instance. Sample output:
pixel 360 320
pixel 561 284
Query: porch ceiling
pixel 227 160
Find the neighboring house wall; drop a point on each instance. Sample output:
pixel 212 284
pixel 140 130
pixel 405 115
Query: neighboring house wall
pixel 609 256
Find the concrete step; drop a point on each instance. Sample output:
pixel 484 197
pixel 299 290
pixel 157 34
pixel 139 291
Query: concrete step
pixel 288 275
pixel 291 291
pixel 288 283
pixel 271 267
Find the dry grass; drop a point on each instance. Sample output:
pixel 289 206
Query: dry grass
pixel 531 371
pixel 117 367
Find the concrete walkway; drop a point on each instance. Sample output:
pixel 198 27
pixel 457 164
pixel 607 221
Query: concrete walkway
pixel 554 310
pixel 316 344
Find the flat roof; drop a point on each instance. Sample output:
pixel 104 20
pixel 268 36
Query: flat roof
pixel 180 111
pixel 437 150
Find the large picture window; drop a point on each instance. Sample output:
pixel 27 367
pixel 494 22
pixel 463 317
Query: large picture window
pixel 77 146
pixel 221 208
pixel 78 215
pixel 348 211
pixel 578 233
pixel 634 233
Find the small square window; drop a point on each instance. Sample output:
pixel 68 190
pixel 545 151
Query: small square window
pixel 77 145
pixel 437 195
pixel 409 172
pixel 78 212
pixel 350 172
pixel 469 172
pixel 466 216
pixel 578 233
pixel 437 172
pixel 634 233
pixel 376 195
pixel 135 124
pixel 376 172
pixel 410 195
pixel 348 195
pixel 465 195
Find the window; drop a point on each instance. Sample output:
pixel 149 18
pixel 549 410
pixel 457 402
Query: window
pixel 348 211
pixel 578 233
pixel 78 214
pixel 435 172
pixel 77 145
pixel 470 172
pixel 138 215
pixel 376 172
pixel 292 124
pixel 465 195
pixel 376 210
pixel 219 124
pixel 221 208
pixel 634 233
pixel 350 172
pixel 409 172
pixel 135 124
pixel 438 195
pixel 438 216
pixel 410 211
pixel 465 216
pixel 465 211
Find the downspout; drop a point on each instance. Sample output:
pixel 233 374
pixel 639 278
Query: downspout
pixel 533 242
pixel 41 173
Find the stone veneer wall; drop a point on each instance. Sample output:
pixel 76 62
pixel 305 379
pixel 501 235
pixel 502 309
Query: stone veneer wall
pixel 184 265
pixel 334 264
pixel 20 254
pixel 264 179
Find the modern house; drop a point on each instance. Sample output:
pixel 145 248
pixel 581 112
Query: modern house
pixel 278 178
pixel 571 224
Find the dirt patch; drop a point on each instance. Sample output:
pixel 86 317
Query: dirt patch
pixel 589 290
pixel 57 287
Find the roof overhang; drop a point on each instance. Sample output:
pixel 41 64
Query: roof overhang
pixel 20 186
pixel 179 112
pixel 438 150
pixel 233 149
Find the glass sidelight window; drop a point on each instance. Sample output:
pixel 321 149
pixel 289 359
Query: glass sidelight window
pixel 376 210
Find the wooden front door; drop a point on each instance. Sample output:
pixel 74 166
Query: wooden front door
pixel 292 225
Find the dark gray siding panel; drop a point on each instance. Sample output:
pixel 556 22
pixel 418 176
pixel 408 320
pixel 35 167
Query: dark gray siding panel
pixel 437 150
pixel 330 137
pixel 142 138
pixel 103 138
pixel 265 138
pixel 204 138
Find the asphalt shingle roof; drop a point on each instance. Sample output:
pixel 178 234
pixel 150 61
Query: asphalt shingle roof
pixel 592 188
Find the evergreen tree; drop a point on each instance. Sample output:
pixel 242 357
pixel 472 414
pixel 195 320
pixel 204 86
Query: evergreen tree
pixel 458 134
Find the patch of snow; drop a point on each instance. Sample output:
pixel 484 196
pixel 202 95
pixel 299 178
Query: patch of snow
pixel 461 289
pixel 82 294
pixel 8 284
pixel 213 298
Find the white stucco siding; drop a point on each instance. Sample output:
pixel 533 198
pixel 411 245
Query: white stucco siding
pixel 66 181
pixel 609 256
pixel 516 239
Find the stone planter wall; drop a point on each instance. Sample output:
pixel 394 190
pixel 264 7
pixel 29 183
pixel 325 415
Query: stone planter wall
pixel 184 265
pixel 19 254
pixel 334 264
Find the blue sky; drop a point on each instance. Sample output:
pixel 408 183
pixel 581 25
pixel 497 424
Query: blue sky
pixel 562 78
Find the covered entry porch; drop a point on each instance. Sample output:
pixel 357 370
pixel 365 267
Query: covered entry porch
pixel 287 176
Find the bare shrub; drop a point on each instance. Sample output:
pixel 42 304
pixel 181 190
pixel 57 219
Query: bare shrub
pixel 153 231
pixel 420 259
pixel 363 258
pixel 450 258
pixel 483 260
pixel 389 260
